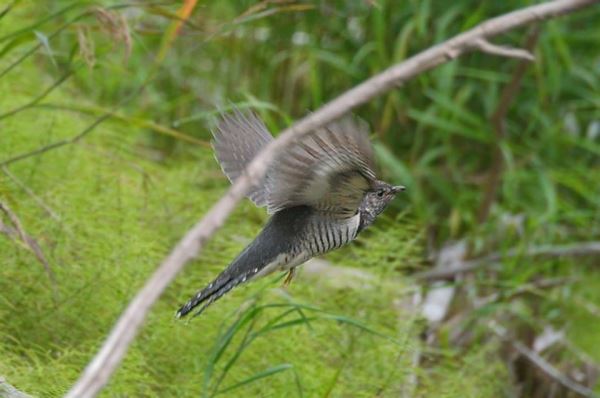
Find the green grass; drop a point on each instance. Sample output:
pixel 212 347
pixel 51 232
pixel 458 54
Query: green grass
pixel 129 189
pixel 120 212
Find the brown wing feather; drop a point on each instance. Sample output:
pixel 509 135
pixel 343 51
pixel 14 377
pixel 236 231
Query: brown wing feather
pixel 330 169
pixel 237 139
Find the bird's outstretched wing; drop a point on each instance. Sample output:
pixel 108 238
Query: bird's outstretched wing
pixel 329 169
pixel 237 139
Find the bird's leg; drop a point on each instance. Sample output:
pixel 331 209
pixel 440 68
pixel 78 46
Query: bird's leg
pixel 289 277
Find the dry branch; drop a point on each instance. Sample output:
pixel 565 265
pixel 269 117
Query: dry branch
pixel 108 358
pixel 17 231
pixel 503 51
pixel 546 367
pixel 509 92
pixel 571 250
pixel 8 391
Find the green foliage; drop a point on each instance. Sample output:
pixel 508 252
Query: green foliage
pixel 119 214
pixel 124 193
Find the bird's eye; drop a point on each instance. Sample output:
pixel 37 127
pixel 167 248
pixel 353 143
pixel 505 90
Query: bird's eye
pixel 380 193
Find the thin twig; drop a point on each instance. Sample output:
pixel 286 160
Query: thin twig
pixel 461 324
pixel 32 194
pixel 130 120
pixel 546 367
pixel 497 120
pixel 57 144
pixel 503 51
pixel 66 25
pixel 106 361
pixel 30 243
pixel 532 287
pixel 571 250
pixel 40 97
pixel 591 308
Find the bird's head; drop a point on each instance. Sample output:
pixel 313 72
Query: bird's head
pixel 376 200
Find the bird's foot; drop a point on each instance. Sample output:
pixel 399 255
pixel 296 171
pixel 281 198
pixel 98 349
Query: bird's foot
pixel 289 277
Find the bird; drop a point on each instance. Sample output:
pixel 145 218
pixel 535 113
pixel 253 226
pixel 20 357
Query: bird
pixel 321 192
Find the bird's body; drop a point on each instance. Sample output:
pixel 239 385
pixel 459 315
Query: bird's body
pixel 321 195
pixel 304 233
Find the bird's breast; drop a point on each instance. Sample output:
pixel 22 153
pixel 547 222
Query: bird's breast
pixel 319 234
pixel 323 234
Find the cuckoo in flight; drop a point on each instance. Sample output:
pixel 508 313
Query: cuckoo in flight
pixel 321 192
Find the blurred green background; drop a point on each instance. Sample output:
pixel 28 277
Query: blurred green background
pixel 121 96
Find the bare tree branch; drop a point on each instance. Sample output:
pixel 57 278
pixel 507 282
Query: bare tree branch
pixel 503 51
pixel 8 391
pixel 509 92
pixel 571 250
pixel 114 348
pixel 546 367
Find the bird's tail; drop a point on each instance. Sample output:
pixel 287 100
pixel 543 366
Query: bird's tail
pixel 248 264
pixel 211 293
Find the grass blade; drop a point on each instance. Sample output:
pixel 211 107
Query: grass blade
pixel 260 375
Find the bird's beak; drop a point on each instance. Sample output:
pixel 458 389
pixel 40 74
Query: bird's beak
pixel 398 188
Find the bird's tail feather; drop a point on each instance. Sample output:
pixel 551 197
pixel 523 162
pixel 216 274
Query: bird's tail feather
pixel 211 293
pixel 248 264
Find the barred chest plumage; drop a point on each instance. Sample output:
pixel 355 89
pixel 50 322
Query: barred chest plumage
pixel 324 233
pixel 320 234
